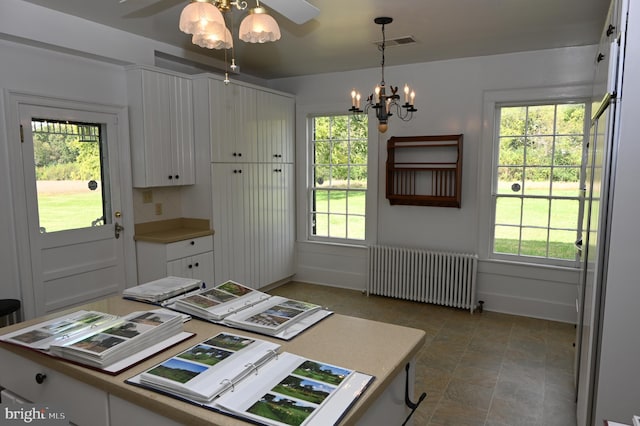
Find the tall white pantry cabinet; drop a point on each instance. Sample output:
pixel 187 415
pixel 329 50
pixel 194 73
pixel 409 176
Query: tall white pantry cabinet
pixel 251 132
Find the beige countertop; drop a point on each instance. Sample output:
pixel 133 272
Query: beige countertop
pixel 172 230
pixel 371 347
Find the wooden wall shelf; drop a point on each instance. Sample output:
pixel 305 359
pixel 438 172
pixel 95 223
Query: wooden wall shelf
pixel 424 170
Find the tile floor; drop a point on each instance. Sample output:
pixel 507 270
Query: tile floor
pixel 485 369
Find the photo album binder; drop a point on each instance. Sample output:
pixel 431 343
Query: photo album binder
pixel 231 304
pixel 249 378
pixel 103 341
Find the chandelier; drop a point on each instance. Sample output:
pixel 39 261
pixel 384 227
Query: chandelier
pixel 382 102
pixel 205 21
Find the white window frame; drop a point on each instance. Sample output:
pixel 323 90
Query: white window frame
pixel 489 160
pixel 310 187
pixel 305 111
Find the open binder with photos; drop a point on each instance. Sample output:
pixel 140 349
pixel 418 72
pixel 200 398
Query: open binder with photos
pixel 231 304
pixel 249 378
pixel 103 341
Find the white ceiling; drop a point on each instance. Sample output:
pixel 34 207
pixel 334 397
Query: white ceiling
pixel 342 36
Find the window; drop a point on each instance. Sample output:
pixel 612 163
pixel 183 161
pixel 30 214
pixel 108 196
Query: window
pixel 536 192
pixel 338 167
pixel 68 158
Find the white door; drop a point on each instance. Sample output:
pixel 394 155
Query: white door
pixel 72 170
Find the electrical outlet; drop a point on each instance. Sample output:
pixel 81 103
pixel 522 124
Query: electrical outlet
pixel 147 196
pixel 158 209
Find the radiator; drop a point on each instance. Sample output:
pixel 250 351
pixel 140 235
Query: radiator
pixel 440 278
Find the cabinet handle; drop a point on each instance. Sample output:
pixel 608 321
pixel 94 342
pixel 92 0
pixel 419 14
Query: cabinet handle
pixel 190 266
pixel 235 154
pixel 170 177
pixel 177 176
pixel 193 243
pixel 40 378
pixel 197 264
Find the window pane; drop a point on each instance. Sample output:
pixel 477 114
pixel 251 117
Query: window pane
pixel 566 189
pixel 510 180
pixel 357 202
pixel 358 177
pixel 507 239
pixel 339 176
pixel 337 201
pixel 322 152
pixel 512 120
pixel 356 227
pixel 540 120
pixel 321 199
pixel 540 186
pixel 321 128
pixel 568 151
pixel 358 153
pixel 534 242
pixel 562 244
pixel 570 119
pixel 564 214
pixel 535 212
pixel 68 160
pixel 340 127
pixel 511 151
pixel 508 211
pixel 339 152
pixel 320 223
pixel 322 175
pixel 539 151
pixel 338 226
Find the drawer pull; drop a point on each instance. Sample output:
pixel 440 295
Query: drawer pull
pixel 40 378
pixel 192 243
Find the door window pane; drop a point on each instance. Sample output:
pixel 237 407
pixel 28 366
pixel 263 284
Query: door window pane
pixel 68 161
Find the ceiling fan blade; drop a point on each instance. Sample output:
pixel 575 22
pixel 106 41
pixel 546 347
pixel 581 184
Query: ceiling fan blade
pixel 151 8
pixel 298 11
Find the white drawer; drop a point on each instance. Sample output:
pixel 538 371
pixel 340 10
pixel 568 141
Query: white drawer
pixel 82 404
pixel 189 247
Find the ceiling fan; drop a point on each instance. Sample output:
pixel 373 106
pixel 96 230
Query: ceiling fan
pixel 298 11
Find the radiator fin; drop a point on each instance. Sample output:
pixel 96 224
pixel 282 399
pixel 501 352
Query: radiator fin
pixel 442 278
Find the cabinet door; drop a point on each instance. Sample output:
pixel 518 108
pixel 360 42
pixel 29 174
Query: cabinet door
pixel 199 267
pixel 182 139
pixel 232 240
pixel 162 146
pixel 233 122
pixel 156 124
pixel 276 114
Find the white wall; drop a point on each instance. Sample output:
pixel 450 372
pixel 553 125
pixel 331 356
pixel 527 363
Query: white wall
pixel 449 100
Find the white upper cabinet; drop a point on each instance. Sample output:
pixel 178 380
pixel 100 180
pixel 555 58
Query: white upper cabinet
pixel 250 125
pixel 233 122
pixel 161 122
pixel 275 127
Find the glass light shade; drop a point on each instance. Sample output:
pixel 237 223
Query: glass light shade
pixel 259 27
pixel 197 15
pixel 215 37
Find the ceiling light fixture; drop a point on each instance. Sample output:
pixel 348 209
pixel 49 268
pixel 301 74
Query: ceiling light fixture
pixel 382 102
pixel 204 19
